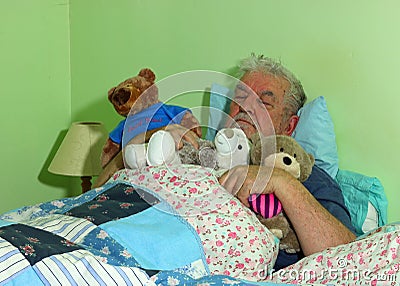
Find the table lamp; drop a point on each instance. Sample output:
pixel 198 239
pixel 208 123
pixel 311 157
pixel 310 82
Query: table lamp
pixel 79 152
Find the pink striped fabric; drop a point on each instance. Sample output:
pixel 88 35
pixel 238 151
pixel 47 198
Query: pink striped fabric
pixel 265 205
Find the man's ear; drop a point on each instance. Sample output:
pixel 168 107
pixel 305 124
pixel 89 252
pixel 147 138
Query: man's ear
pixel 293 120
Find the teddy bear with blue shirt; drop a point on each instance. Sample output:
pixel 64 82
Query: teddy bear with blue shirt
pixel 137 100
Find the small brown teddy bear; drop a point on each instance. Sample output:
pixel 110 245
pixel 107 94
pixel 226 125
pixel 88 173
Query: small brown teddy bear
pixel 137 99
pixel 282 152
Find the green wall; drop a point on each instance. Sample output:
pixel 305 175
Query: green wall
pixel 344 50
pixel 35 98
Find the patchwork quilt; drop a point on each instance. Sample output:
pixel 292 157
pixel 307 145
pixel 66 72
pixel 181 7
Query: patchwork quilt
pixel 128 233
pixel 171 226
pixel 61 243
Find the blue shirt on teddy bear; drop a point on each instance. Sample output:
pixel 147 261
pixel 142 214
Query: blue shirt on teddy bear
pixel 155 116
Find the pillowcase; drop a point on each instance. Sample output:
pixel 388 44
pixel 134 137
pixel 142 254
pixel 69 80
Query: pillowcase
pixel 365 199
pixel 219 109
pixel 314 131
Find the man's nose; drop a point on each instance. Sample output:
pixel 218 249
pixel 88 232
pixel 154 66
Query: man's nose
pixel 249 103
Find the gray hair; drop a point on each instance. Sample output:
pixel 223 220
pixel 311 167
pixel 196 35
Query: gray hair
pixel 295 97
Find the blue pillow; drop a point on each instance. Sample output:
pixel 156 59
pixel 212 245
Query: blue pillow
pixel 359 190
pixel 316 134
pixel 219 109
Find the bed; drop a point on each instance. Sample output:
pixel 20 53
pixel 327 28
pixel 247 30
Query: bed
pixel 130 231
pixel 175 225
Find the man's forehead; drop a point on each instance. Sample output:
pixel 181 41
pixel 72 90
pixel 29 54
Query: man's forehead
pixel 242 87
pixel 263 84
pixel 261 78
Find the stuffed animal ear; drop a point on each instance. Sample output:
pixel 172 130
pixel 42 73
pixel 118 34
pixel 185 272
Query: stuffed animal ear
pixel 307 167
pixel 147 74
pixel 255 138
pixel 262 147
pixel 110 92
pixel 256 149
pixel 312 159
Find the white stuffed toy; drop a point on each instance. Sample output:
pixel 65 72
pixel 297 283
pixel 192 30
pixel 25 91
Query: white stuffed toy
pixel 230 148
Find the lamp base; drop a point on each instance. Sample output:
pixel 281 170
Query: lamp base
pixel 86 183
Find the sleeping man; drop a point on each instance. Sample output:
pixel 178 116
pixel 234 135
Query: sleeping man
pixel 267 100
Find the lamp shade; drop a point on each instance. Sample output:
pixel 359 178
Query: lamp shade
pixel 79 152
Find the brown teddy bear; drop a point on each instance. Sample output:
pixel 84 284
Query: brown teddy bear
pixel 137 99
pixel 282 152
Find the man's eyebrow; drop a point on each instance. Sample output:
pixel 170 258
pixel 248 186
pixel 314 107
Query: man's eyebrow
pixel 267 92
pixel 242 87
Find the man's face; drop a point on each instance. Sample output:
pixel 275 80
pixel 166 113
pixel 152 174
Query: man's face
pixel 261 108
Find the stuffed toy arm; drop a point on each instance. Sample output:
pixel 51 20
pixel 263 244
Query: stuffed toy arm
pixel 110 150
pixel 190 122
pixel 135 156
pixel 160 150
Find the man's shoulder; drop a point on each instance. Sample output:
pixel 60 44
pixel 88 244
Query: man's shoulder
pixel 320 179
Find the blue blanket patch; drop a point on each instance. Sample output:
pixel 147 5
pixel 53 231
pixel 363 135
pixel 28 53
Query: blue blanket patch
pixel 101 244
pixel 26 277
pixel 5 223
pixel 170 277
pixel 161 249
